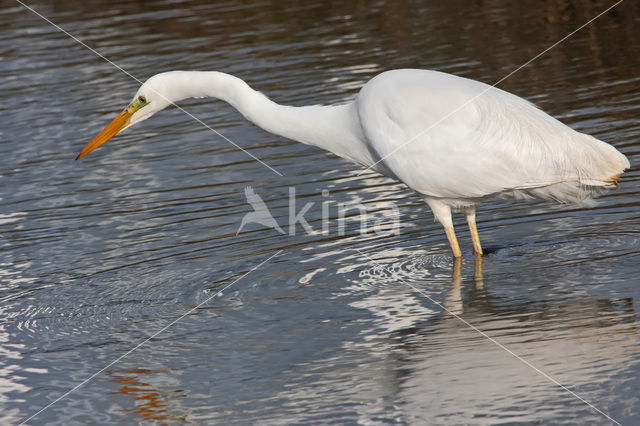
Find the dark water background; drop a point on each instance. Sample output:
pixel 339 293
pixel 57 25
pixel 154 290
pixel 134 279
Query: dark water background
pixel 98 255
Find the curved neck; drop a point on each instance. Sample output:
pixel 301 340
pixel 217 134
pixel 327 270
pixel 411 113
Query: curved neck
pixel 334 128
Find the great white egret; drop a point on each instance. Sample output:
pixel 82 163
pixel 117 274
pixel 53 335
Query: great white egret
pixel 453 140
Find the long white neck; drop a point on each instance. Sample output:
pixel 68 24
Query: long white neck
pixel 333 128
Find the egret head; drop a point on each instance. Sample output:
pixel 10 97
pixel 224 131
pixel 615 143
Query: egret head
pixel 149 99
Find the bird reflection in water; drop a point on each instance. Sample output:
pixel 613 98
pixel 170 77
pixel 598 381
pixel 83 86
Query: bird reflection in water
pixel 453 301
pixel 420 346
pixel 573 340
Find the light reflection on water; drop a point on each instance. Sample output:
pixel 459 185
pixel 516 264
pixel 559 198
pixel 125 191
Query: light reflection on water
pixel 100 254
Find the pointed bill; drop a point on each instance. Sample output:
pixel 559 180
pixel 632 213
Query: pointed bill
pixel 108 132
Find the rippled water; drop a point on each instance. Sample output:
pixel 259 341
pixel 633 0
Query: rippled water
pixel 99 255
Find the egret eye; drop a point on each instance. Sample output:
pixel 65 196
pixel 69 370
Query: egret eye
pixel 142 99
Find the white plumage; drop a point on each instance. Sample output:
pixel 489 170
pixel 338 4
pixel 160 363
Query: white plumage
pixel 497 142
pixel 454 140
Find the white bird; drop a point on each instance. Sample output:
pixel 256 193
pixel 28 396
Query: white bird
pixel 453 140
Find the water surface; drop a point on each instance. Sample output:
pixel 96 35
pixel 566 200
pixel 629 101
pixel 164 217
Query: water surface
pixel 101 254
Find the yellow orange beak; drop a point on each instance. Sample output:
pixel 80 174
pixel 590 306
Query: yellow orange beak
pixel 110 131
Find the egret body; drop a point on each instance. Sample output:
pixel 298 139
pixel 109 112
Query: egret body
pixel 453 140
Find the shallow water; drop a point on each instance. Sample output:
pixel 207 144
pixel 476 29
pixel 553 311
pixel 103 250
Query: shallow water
pixel 101 254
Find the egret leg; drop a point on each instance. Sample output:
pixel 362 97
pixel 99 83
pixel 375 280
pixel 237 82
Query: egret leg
pixel 473 229
pixel 453 242
pixel 456 273
pixel 442 212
